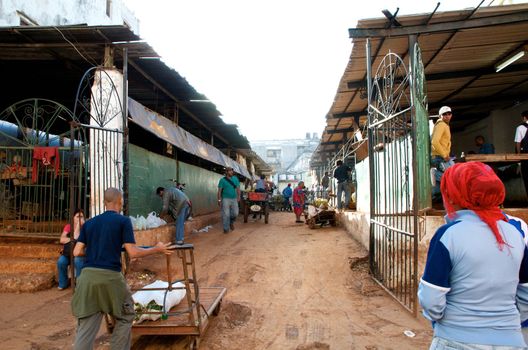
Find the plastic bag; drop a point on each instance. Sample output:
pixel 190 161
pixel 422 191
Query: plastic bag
pixel 154 221
pixel 141 223
pixel 152 300
pixel 313 211
pixel 133 221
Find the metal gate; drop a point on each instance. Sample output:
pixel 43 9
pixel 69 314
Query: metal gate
pixel 102 123
pixel 35 162
pixel 53 161
pixel 396 163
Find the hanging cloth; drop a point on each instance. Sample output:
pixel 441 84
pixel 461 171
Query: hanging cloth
pixel 47 156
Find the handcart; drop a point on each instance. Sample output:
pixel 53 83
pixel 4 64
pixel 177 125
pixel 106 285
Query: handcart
pixel 191 316
pixel 321 218
pixel 256 203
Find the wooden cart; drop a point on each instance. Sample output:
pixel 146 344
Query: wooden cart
pixel 324 217
pixel 191 316
pixel 256 199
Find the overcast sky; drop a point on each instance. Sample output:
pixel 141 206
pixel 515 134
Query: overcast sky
pixel 271 67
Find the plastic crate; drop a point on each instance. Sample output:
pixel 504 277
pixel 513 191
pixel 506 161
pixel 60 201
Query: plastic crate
pixel 257 196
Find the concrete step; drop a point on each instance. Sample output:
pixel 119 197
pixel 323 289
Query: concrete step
pixel 26 282
pixel 21 250
pixel 12 265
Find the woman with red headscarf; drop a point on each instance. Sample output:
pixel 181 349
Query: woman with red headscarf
pixel 298 201
pixel 475 285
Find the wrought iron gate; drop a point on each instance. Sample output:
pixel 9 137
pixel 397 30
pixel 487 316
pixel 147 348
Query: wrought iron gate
pixel 35 162
pixel 53 161
pixel 102 122
pixel 397 159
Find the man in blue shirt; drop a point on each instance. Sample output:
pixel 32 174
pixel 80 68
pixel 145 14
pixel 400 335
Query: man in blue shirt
pixel 483 147
pixel 101 287
pixel 228 196
pixel 287 193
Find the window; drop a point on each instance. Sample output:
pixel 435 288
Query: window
pixel 273 153
pixel 109 8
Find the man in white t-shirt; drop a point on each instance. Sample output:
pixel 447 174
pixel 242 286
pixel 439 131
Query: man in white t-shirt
pixel 521 146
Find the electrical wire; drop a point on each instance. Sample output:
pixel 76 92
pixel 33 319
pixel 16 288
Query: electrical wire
pixel 92 63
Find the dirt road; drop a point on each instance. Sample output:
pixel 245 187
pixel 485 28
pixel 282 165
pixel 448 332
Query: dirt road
pixel 288 287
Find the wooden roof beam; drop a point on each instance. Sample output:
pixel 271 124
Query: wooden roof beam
pixel 355 84
pixel 359 33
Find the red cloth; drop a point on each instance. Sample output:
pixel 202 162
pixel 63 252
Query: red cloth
pixel 46 155
pixel 475 186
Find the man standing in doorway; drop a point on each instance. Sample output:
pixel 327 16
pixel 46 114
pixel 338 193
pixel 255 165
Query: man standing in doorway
pixel 228 197
pixel 441 149
pixel 325 182
pixel 521 146
pixel 101 287
pixel 342 174
pixel 176 206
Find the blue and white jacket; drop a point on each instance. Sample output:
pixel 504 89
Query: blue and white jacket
pixel 472 291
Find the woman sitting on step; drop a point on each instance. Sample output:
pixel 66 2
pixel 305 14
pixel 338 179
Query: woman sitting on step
pixel 64 260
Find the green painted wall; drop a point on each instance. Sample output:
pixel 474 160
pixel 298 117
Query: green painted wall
pixel 201 186
pixel 148 171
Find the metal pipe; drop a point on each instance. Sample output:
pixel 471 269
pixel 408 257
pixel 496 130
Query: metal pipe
pixel 125 133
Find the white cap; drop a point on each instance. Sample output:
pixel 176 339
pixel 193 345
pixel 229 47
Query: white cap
pixel 443 110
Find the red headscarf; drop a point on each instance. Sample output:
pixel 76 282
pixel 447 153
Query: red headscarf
pixel 474 186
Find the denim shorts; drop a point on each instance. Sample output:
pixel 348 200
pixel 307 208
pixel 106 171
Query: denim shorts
pixel 445 344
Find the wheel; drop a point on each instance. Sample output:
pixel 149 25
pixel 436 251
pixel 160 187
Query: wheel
pixel 266 213
pixel 216 310
pixel 246 212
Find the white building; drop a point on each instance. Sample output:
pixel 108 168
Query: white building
pixel 289 158
pixel 66 12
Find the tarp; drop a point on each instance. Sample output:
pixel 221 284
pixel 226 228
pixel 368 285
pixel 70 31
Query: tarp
pixel 165 129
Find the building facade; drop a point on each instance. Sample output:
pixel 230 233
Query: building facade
pixel 289 158
pixel 60 13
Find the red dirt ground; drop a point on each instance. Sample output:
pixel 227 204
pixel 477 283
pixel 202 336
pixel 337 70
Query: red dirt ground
pixel 288 287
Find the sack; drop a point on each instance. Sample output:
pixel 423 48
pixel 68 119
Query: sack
pixel 152 300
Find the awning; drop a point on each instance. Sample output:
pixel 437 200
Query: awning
pixel 165 129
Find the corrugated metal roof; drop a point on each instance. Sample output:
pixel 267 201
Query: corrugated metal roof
pixel 459 66
pixel 83 46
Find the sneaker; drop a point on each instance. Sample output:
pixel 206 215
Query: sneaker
pixel 179 242
pixel 232 227
pixel 226 231
pixel 60 288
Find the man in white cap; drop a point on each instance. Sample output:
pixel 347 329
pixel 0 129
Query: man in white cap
pixel 441 148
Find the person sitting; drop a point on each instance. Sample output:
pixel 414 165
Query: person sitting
pixel 483 147
pixel 261 185
pixel 66 254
